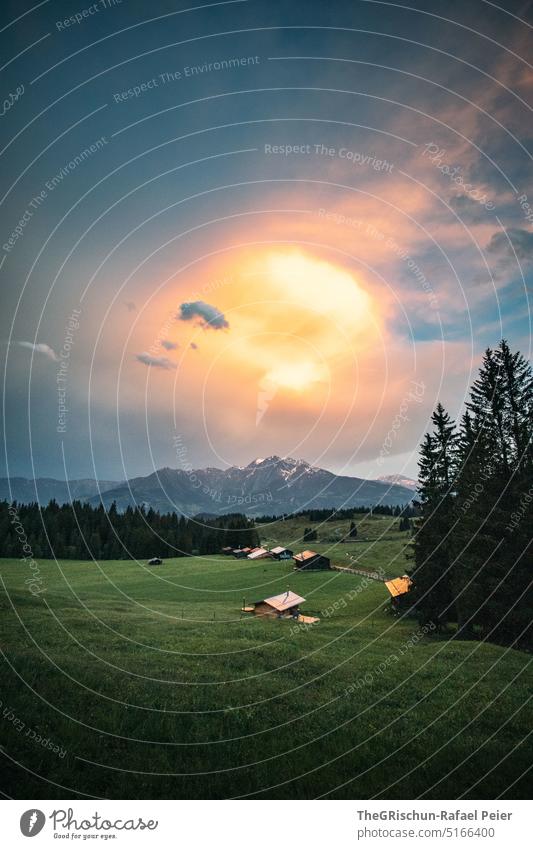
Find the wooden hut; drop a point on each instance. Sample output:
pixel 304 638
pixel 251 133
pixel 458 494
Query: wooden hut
pixel 258 554
pixel 239 553
pixel 227 550
pixel 281 553
pixel 155 561
pixel 311 560
pixel 399 590
pixel 283 605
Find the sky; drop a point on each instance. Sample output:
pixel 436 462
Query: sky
pixel 239 229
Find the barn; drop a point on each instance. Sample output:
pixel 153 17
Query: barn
pixel 283 605
pixel 311 560
pixel 281 553
pixel 258 554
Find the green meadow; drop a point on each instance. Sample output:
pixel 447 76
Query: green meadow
pixel 152 684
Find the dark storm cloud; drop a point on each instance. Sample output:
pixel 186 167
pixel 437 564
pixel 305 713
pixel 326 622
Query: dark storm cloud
pixel 208 315
pixel 469 211
pixel 156 362
pixel 513 241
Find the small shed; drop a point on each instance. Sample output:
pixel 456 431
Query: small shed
pixel 399 589
pixel 311 560
pixel 399 586
pixel 258 554
pixel 227 550
pixel 239 553
pixel 155 561
pixel 281 553
pixel 283 605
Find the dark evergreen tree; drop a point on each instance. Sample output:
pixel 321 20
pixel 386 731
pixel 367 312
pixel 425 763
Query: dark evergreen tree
pixel 431 574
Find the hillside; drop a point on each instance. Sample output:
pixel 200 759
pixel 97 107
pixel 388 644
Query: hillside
pixel 155 686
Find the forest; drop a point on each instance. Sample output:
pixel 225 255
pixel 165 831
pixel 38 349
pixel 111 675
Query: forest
pixel 472 544
pixel 82 532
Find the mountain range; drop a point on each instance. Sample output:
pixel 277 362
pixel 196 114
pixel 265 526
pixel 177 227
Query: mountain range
pixel 400 480
pixel 272 485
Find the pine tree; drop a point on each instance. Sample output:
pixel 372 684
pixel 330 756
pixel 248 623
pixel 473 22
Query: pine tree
pixel 431 545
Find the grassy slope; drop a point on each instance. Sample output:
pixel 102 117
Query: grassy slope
pixel 141 669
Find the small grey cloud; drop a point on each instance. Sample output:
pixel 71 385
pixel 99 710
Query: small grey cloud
pixel 469 211
pixel 208 315
pixel 194 346
pixel 168 345
pixel 41 348
pixel 131 306
pixel 156 362
pixel 522 242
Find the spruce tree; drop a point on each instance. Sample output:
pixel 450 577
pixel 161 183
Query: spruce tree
pixel 431 544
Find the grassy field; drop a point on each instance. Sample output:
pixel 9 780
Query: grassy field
pixel 150 684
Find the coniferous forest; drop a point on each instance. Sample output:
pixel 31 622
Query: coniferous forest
pixel 472 546
pixel 81 532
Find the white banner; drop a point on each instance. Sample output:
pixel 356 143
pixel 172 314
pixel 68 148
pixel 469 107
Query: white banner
pixel 205 824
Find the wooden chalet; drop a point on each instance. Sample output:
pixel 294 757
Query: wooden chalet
pixel 281 553
pixel 283 605
pixel 311 560
pixel 258 554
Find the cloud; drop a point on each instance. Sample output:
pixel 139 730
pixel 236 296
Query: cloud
pixel 469 211
pixel 156 362
pixel 131 306
pixel 522 242
pixel 209 316
pixel 41 348
pixel 168 345
pixel 194 346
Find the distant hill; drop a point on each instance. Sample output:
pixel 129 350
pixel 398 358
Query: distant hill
pixel 274 485
pixel 43 490
pixel 408 483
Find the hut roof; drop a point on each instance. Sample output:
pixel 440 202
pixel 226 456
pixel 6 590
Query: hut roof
pixel 279 549
pixel 399 586
pixel 284 601
pixel 257 552
pixel 305 555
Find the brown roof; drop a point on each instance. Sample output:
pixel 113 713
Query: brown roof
pixel 305 555
pixel 257 552
pixel 278 549
pixel 399 586
pixel 283 601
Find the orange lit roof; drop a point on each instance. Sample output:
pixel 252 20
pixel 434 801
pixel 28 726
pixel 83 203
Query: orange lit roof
pixel 305 555
pixel 399 586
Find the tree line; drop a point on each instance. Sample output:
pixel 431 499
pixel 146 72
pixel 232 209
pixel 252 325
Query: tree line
pixel 324 514
pixel 79 531
pixel 472 547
